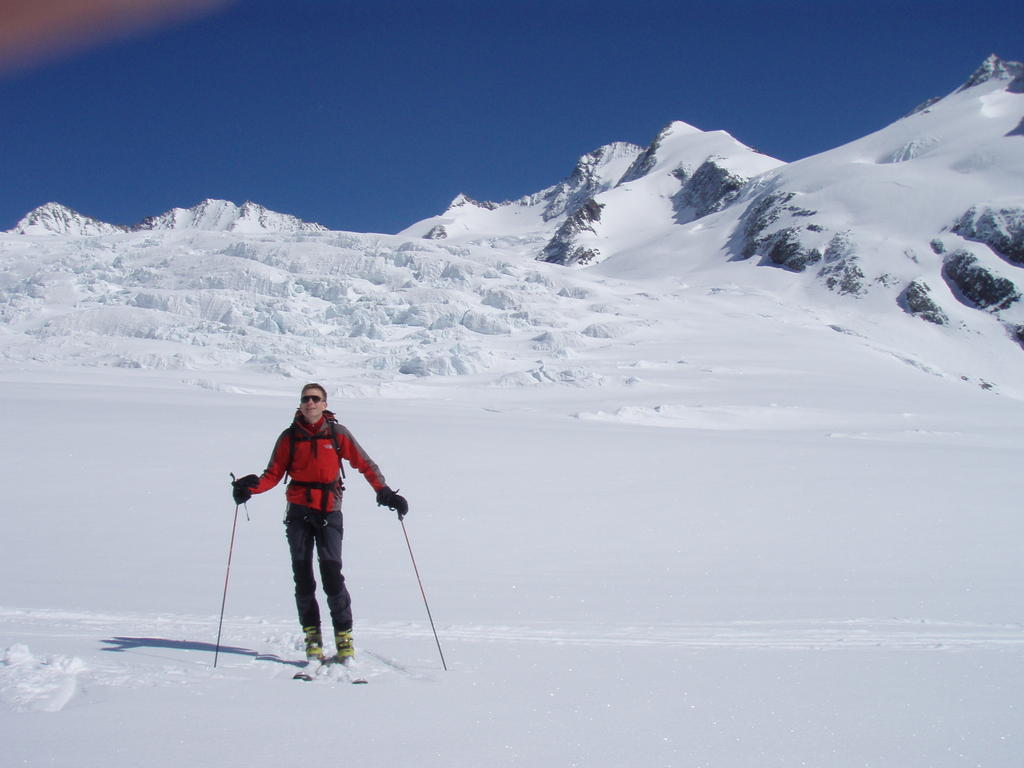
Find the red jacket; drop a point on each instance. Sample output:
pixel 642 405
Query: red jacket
pixel 309 450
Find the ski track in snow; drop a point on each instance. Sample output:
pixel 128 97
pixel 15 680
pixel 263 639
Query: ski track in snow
pixel 137 651
pixel 804 635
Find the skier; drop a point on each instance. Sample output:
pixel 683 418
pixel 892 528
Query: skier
pixel 310 451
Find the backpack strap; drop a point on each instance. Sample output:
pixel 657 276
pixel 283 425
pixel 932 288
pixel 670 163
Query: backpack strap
pixel 333 425
pixel 294 435
pixel 291 450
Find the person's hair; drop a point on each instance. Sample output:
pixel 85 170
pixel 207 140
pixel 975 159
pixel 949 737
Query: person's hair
pixel 314 385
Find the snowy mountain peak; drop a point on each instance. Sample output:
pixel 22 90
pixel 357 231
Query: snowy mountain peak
pixel 594 173
pixel 461 200
pixel 57 219
pixel 681 147
pixel 603 166
pixel 684 175
pixel 678 128
pixel 534 216
pixel 995 68
pixel 225 216
pixel 209 216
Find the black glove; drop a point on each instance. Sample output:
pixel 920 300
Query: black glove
pixel 241 489
pixel 390 499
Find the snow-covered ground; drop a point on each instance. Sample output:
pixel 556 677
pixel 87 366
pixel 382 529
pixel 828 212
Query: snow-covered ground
pixel 753 541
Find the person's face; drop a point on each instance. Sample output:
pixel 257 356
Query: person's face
pixel 312 404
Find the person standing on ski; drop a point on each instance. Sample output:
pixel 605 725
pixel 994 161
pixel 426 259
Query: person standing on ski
pixel 311 451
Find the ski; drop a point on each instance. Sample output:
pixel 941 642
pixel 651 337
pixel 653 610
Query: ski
pixel 310 672
pixel 346 665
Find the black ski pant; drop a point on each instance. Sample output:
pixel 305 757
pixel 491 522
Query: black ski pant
pixel 307 529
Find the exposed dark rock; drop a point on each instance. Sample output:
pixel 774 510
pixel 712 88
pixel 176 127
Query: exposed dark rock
pixel 562 248
pixel 437 232
pixel 1001 230
pixel 841 271
pixel 782 247
pixel 709 189
pixel 785 250
pixel 54 218
pixel 462 200
pixel 977 286
pixel 886 280
pixel 916 299
pixel 223 215
pixel 994 68
pixel 587 180
pixel 757 218
pixel 594 173
pixel 581 256
pixel 924 106
pixel 646 160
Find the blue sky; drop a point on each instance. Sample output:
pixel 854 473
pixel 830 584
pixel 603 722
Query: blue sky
pixel 368 116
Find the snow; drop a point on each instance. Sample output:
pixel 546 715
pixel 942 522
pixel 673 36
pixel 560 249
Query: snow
pixel 674 509
pixel 210 215
pixel 756 542
pixel 223 215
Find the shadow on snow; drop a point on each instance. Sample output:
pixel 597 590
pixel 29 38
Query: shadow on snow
pixel 122 644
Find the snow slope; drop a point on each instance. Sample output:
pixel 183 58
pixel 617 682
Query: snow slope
pixel 925 215
pixel 772 551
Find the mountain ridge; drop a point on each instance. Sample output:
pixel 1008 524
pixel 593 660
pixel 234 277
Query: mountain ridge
pixel 209 215
pixel 888 214
pixel 914 232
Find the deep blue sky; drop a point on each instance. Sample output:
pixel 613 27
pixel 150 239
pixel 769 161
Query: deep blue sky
pixel 368 116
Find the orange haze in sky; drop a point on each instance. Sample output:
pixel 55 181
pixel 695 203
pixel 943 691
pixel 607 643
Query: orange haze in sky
pixel 32 31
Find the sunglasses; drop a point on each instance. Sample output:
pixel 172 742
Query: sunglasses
pixel 310 398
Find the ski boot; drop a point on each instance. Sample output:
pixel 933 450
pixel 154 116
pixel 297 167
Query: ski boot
pixel 346 648
pixel 314 644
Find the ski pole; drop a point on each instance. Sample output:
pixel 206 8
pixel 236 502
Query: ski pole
pixel 224 599
pixel 422 592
